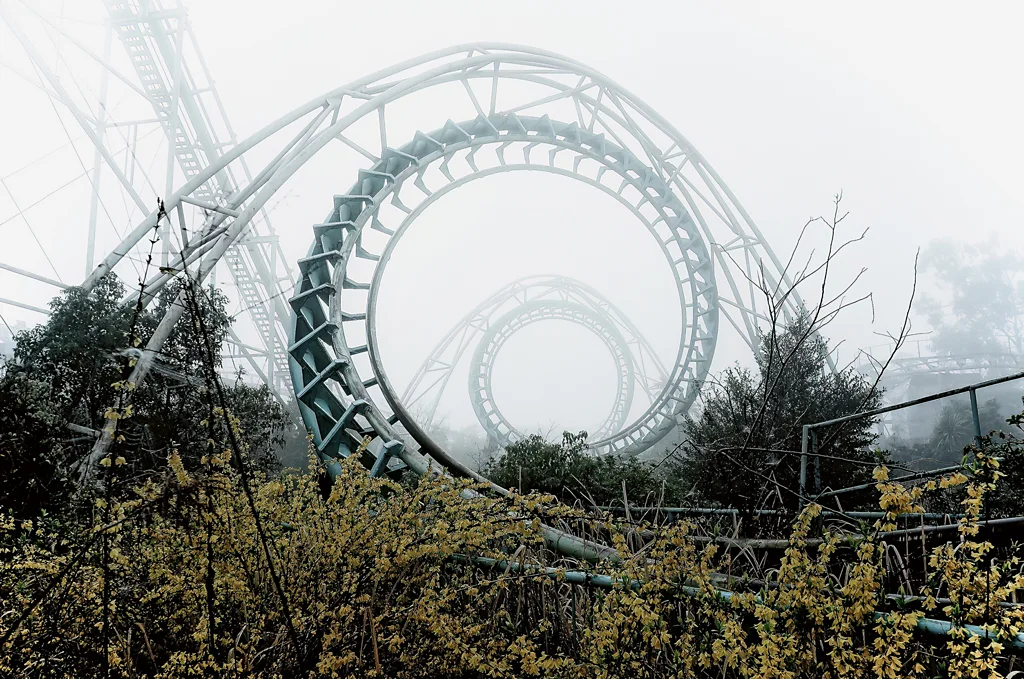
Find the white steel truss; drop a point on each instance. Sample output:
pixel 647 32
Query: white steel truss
pixel 171 76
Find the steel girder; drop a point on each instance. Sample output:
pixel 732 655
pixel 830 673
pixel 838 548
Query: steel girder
pixel 599 106
pixel 986 365
pixel 901 371
pixel 171 77
pixel 153 37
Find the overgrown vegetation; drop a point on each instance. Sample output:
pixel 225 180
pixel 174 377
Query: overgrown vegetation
pixel 743 448
pixel 568 472
pixel 951 432
pixel 382 580
pixel 69 370
pixel 191 554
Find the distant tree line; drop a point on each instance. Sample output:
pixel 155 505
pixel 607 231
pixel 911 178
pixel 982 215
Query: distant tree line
pixel 980 308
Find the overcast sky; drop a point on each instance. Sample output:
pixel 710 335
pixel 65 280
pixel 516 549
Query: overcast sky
pixel 912 109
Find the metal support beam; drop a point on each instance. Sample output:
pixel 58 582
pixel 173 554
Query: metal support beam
pixel 971 389
pixel 902 479
pixel 804 444
pixel 27 307
pixel 97 160
pixel 209 206
pixel 34 276
pixel 974 417
pixel 65 99
pixel 173 125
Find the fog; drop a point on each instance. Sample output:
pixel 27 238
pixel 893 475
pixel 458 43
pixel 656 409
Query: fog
pixel 911 111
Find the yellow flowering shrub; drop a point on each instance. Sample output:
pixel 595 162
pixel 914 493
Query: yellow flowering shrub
pixel 382 580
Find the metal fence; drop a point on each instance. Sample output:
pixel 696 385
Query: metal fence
pixel 809 439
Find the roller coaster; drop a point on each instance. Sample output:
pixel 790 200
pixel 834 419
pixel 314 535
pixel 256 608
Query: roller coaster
pixel 312 335
pixel 493 109
pixel 530 110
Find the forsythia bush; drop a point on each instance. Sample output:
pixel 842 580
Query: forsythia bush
pixel 379 580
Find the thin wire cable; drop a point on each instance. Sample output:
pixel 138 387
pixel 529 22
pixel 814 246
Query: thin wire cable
pixel 31 230
pixel 60 35
pixel 82 164
pixel 109 112
pixel 40 158
pixel 242 465
pixel 48 195
pixel 268 299
pixel 28 207
pixel 82 93
pixel 130 210
pixel 146 173
pixel 9 329
pixel 28 80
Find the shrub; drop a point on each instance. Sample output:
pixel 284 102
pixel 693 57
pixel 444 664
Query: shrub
pixel 567 471
pixel 381 581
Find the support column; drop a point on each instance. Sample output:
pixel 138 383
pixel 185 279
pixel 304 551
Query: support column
pixel 172 138
pixel 97 159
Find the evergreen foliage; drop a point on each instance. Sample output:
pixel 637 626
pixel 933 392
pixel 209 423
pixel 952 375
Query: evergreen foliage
pixel 70 370
pixel 567 471
pixel 746 439
pixel 33 461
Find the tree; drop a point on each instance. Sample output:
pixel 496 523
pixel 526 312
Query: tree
pixel 66 369
pixel 468 444
pixel 170 407
pixel 567 471
pixel 33 461
pixel 1008 497
pixel 982 308
pixel 75 352
pixel 265 426
pixel 743 447
pixel 84 347
pixel 954 428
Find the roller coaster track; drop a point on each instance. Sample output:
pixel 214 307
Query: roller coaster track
pixel 581 125
pixel 147 31
pixel 637 363
pixel 530 110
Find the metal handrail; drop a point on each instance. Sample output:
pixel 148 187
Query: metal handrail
pixel 927 625
pixel 807 437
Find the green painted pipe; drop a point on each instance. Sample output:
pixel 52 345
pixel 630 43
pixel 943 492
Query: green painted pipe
pixel 927 625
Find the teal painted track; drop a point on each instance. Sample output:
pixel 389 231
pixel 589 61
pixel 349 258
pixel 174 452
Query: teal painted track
pixel 343 391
